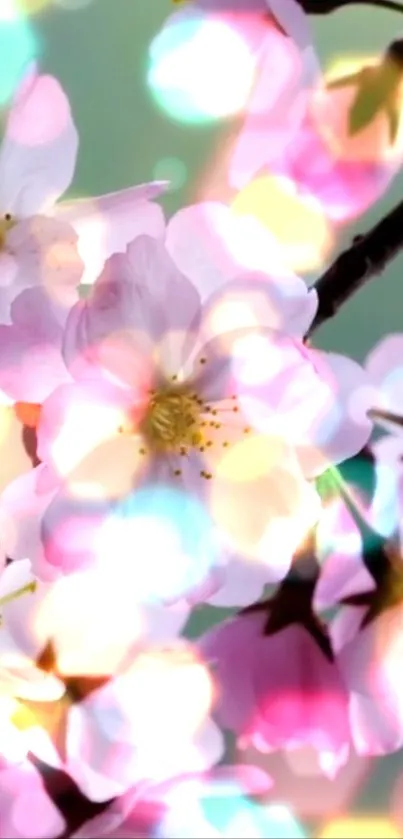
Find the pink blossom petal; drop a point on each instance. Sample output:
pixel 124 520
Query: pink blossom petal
pixel 14 460
pixel 295 699
pixel 241 583
pixel 143 299
pixel 122 734
pixel 38 154
pixel 319 400
pixel 342 575
pixel 108 223
pixel 27 812
pixel 344 188
pixel 76 419
pixel 368 660
pixel 384 368
pixel 212 246
pixel 293 20
pixel 249 778
pixel 346 626
pixel 339 546
pixel 21 509
pixel 32 364
pixel 274 111
pixel 45 254
pixel 352 392
pixel 284 692
pixel 376 729
pixel 223 646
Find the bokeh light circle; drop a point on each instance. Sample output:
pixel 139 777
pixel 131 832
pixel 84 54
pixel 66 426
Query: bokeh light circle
pixel 18 47
pixel 200 69
pixel 170 169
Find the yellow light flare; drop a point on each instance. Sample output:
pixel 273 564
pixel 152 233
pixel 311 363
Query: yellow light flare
pixel 330 109
pixel 367 827
pixel 252 458
pixel 32 7
pixel 346 65
pixel 259 498
pixel 299 224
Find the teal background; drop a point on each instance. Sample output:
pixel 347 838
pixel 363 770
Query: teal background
pixel 99 53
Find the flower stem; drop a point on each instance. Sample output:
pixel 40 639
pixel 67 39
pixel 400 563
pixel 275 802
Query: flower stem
pixel 367 257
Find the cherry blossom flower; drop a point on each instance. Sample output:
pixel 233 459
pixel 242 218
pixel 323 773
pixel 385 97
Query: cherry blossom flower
pixel 37 237
pixel 149 723
pixel 343 171
pixel 171 410
pixel 89 673
pixel 27 812
pixel 278 691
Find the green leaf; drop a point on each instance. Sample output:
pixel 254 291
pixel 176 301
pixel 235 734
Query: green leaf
pixel 363 110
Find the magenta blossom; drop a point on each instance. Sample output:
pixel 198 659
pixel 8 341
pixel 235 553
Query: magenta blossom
pixel 278 691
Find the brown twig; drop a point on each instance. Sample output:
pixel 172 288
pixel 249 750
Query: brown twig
pixel 367 257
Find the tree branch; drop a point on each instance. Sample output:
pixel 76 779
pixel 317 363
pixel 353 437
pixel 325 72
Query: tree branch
pixel 365 259
pixel 324 7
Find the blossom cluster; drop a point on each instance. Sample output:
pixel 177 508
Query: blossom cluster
pixel 171 439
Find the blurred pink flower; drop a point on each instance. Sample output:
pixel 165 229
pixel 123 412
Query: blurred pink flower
pixel 368 658
pixel 142 810
pixel 149 723
pixel 282 64
pixel 27 812
pixel 37 161
pixel 344 185
pixel 286 66
pixel 278 691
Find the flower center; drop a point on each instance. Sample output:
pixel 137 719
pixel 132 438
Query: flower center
pixel 7 222
pixel 177 420
pixel 173 420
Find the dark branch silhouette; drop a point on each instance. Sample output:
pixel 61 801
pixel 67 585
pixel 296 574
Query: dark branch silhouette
pixel 324 7
pixel 367 257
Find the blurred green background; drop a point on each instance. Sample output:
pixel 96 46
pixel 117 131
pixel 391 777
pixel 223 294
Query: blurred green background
pixel 99 53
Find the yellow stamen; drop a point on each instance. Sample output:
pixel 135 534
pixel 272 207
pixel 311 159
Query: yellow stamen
pixel 7 222
pixel 8 598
